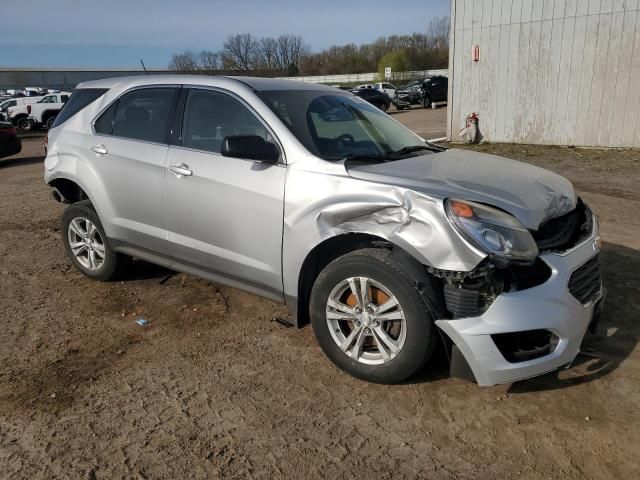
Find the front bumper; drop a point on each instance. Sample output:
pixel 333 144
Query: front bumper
pixel 549 306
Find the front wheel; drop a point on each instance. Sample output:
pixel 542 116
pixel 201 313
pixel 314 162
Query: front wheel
pixel 49 122
pixel 427 102
pixel 370 319
pixel 86 243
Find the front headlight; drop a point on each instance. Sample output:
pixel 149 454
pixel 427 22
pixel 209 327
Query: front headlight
pixel 491 230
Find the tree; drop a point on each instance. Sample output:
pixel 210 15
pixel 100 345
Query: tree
pixel 267 52
pixel 438 32
pixel 186 61
pixel 398 60
pixel 240 52
pixel 209 61
pixel 289 51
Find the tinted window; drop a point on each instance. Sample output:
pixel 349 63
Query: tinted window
pixel 104 124
pixel 141 115
pixel 210 116
pixel 334 126
pixel 65 98
pixel 80 99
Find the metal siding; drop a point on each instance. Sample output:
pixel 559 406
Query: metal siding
pixel 623 79
pixel 550 71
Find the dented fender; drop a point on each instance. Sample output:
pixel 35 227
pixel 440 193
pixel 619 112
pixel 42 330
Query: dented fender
pixel 324 206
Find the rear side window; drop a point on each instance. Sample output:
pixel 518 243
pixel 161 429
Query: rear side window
pixel 78 100
pixel 139 115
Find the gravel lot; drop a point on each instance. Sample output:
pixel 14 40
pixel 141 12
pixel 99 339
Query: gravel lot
pixel 212 388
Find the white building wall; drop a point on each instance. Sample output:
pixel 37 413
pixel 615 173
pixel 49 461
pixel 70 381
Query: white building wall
pixel 563 72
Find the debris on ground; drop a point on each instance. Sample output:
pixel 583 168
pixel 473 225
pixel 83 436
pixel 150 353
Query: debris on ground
pixel 282 322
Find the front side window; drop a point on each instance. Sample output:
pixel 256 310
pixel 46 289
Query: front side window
pixel 334 126
pixel 139 115
pixel 49 99
pixel 210 116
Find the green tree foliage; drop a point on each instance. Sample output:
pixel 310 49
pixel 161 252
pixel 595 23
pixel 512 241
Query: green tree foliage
pixel 398 60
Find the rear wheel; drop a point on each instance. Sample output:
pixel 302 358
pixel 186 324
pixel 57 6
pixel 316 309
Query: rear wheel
pixel 370 319
pixel 25 124
pixel 427 101
pixel 86 243
pixel 49 122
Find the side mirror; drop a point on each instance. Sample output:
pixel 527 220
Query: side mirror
pixel 252 147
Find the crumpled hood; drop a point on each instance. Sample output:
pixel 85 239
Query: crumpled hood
pixel 531 194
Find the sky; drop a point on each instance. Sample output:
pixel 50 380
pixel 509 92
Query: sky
pixel 117 33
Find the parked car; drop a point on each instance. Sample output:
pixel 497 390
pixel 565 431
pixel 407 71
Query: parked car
pixel 366 85
pixel 386 87
pixel 15 111
pixel 407 95
pixel 374 97
pixel 9 142
pixel 434 90
pixel 311 196
pixel 44 112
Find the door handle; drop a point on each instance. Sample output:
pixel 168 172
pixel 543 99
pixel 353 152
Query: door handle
pixel 181 169
pixel 101 149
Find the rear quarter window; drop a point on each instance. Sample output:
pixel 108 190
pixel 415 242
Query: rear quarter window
pixel 78 101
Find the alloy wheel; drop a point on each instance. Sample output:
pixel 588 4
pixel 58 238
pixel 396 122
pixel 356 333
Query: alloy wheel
pixel 366 320
pixel 86 243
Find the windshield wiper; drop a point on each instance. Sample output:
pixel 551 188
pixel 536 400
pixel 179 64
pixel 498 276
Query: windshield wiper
pixel 414 148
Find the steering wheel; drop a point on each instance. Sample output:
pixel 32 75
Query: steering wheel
pixel 345 137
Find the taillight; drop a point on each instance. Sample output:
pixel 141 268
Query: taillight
pixel 45 142
pixel 29 109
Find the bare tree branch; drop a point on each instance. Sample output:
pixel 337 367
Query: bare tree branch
pixel 239 52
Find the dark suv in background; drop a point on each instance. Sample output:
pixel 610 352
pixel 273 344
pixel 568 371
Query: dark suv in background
pixel 423 91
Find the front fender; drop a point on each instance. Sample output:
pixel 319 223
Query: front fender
pixel 320 206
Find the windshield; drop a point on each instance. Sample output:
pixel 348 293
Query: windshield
pixel 335 125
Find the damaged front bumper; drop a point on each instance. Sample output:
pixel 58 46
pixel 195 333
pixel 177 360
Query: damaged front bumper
pixel 549 310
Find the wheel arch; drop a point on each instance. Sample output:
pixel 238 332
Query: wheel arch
pixel 67 191
pixel 48 114
pixel 334 247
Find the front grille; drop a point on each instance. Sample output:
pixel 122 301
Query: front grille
pixel 585 282
pixel 562 233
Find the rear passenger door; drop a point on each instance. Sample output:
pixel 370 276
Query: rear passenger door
pixel 224 214
pixel 128 151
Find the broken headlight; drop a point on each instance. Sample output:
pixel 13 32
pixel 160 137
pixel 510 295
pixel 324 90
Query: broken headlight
pixel 491 230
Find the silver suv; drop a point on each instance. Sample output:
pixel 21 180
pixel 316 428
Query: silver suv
pixel 311 196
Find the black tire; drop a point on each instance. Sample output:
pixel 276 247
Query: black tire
pixel 426 103
pixel 25 124
pixel 49 121
pixel 382 266
pixel 113 262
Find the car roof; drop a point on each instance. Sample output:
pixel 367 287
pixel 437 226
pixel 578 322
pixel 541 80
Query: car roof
pixel 255 83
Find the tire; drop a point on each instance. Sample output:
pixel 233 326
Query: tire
pixel 49 121
pixel 25 124
pixel 426 103
pixel 75 228
pixel 382 269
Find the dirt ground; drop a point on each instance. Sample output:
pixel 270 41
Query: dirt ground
pixel 213 388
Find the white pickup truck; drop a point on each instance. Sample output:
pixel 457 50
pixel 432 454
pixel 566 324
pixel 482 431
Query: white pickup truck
pixel 14 110
pixel 44 112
